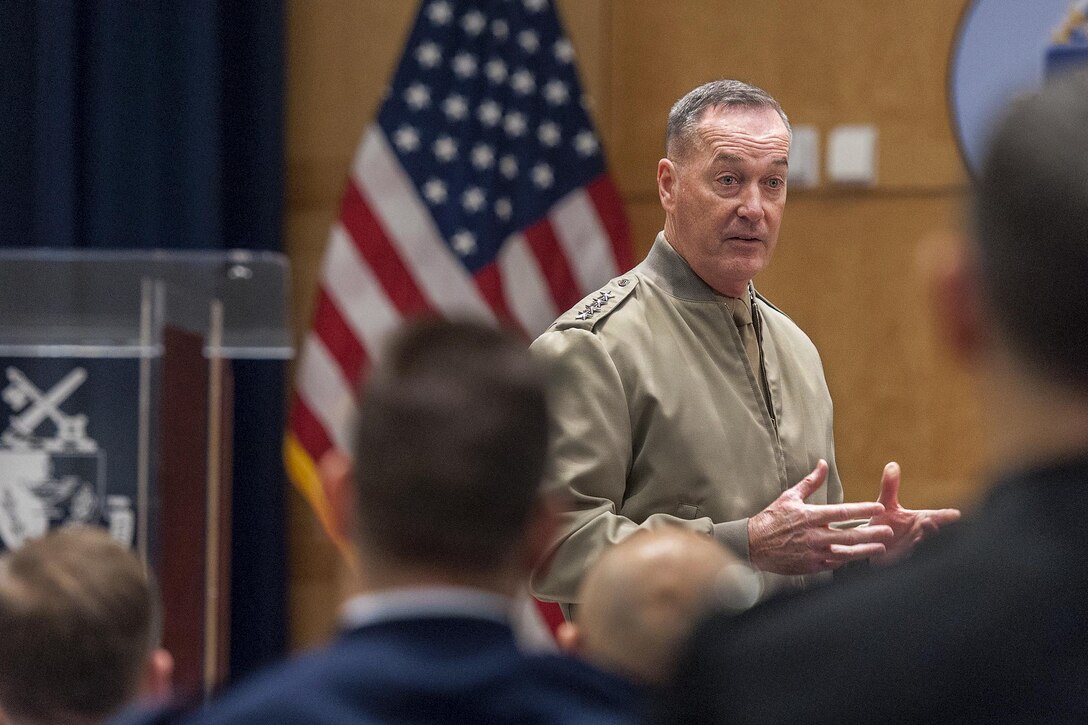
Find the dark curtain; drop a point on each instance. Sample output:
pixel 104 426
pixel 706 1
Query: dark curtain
pixel 137 124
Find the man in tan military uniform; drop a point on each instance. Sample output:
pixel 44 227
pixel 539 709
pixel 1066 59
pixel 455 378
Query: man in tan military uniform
pixel 686 398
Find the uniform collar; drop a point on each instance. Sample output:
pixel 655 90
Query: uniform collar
pixel 666 268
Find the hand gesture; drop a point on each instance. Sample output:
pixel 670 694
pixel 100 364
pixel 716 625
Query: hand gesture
pixel 909 526
pixel 793 537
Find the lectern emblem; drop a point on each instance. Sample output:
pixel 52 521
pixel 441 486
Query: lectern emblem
pixel 51 471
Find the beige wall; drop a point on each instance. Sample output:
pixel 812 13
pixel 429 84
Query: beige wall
pixel 845 266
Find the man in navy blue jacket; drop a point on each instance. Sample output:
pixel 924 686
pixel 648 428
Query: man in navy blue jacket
pixel 988 622
pixel 443 503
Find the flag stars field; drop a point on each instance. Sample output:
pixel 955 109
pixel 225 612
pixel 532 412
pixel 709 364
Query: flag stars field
pixel 563 51
pixel 435 191
pixel 455 107
pixel 495 70
pixel 406 139
pixel 445 149
pixel 417 96
pixel 549 134
pixel 508 167
pixel 515 124
pixel 440 13
pixel 529 41
pixel 464 65
pixel 429 55
pixel 489 113
pixel 464 242
pixel 556 92
pixel 523 82
pixel 543 176
pixel 585 143
pixel 483 156
pixel 473 23
pixel 473 199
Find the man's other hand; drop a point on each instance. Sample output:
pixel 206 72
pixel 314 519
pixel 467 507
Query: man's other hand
pixel 909 526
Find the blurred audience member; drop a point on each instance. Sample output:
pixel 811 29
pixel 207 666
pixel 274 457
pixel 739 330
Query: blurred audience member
pixel 444 505
pixel 642 598
pixel 78 630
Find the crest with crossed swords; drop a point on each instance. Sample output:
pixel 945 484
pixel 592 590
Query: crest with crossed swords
pixel 34 497
pixel 34 407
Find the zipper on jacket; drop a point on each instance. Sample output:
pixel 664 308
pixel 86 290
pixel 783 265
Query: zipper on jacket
pixel 757 321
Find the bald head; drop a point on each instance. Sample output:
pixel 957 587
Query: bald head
pixel 640 600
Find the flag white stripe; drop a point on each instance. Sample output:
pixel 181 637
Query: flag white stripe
pixel 584 239
pixel 327 394
pixel 392 196
pixel 527 294
pixel 357 291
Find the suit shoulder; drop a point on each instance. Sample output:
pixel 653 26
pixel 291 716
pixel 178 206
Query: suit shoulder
pixel 598 305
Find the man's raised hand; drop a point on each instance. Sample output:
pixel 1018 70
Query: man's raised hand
pixel 909 526
pixel 793 537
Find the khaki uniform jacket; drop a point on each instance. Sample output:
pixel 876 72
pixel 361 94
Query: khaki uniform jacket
pixel 659 419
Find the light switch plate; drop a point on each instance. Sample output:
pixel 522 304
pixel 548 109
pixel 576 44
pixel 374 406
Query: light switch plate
pixel 852 154
pixel 804 157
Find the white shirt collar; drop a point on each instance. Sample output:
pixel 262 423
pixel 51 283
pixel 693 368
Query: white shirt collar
pixel 421 602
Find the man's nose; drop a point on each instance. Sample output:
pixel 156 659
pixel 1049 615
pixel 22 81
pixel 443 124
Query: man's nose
pixel 751 205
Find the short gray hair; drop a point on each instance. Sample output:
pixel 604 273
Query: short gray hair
pixel 686 112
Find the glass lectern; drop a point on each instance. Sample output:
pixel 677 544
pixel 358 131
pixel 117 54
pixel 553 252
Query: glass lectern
pixel 118 398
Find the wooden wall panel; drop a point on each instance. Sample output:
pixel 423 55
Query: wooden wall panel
pixel 828 62
pixel 845 267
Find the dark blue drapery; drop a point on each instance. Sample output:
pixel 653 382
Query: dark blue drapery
pixel 131 124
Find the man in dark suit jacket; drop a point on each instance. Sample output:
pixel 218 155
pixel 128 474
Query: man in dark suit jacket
pixel 443 503
pixel 989 622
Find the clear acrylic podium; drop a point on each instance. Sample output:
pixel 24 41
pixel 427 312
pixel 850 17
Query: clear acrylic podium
pixel 117 398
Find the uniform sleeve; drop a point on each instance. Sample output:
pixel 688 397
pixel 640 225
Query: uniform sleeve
pixel 590 459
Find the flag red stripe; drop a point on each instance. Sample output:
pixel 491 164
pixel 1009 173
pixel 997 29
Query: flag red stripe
pixel 609 206
pixel 339 338
pixel 373 244
pixel 551 614
pixel 308 430
pixel 489 281
pixel 553 264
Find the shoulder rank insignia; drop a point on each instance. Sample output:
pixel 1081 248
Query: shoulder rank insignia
pixel 595 304
pixel 598 305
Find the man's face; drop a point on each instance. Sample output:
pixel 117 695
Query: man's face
pixel 724 193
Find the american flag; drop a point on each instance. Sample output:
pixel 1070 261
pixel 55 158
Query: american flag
pixel 480 190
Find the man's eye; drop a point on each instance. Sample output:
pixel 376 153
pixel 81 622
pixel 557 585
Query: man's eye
pixel 774 183
pixel 728 179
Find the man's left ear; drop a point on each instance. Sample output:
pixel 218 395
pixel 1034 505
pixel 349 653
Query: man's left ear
pixel 569 638
pixel 158 675
pixel 335 471
pixel 666 183
pixel 956 296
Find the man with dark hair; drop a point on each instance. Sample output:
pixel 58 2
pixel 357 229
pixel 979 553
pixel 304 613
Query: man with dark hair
pixel 986 623
pixel 686 398
pixel 444 504
pixel 78 631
